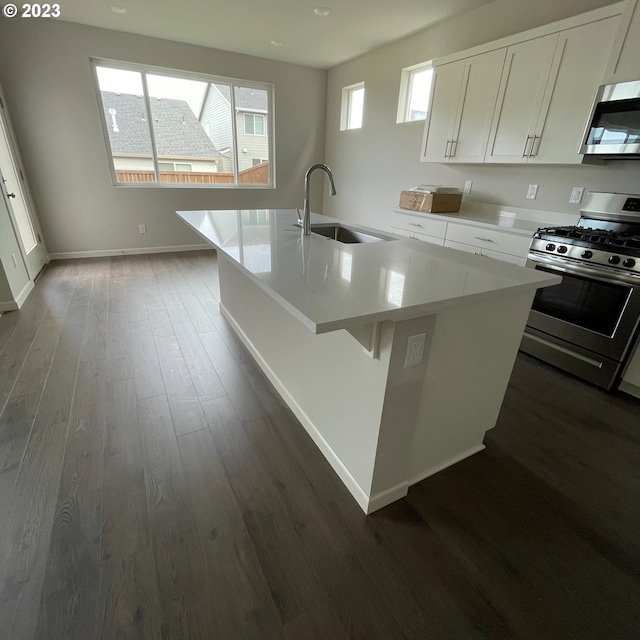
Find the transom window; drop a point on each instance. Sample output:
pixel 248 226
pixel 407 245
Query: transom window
pixel 415 92
pixel 352 110
pixel 164 127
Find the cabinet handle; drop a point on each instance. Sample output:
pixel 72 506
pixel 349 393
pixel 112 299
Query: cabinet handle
pixel 483 239
pixel 533 146
pixel 446 149
pixel 526 144
pixel 454 148
pixel 415 224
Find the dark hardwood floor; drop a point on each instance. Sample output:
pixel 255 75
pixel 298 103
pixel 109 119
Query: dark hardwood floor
pixel 153 485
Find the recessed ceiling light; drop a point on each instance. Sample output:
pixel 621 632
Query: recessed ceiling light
pixel 322 11
pixel 276 43
pixel 117 9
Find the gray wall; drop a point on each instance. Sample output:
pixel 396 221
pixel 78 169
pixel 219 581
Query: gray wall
pixel 372 165
pixel 45 72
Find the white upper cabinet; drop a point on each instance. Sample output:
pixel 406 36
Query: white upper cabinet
pixel 546 95
pixel 579 63
pixel 624 64
pixel 525 102
pixel 438 131
pixel 462 106
pixel 520 99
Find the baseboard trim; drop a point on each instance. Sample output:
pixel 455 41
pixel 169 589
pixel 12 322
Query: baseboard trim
pixel 359 494
pixel 10 305
pixel 14 305
pixel 105 253
pixel 447 463
pixel 631 389
pixel 382 499
pixel 24 294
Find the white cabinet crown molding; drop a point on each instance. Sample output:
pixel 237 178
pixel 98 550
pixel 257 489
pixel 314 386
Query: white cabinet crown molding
pixel 553 27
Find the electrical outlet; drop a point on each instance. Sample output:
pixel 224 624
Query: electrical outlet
pixel 576 195
pixel 142 228
pixel 532 192
pixel 467 186
pixel 415 350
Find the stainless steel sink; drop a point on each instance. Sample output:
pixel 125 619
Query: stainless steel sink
pixel 347 235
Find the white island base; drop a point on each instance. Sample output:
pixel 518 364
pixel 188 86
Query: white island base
pixel 384 427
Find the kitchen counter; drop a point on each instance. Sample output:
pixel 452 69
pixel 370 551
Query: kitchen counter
pixel 488 216
pixel 331 325
pixel 328 285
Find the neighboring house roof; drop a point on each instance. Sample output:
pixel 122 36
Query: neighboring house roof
pixel 246 98
pixel 177 131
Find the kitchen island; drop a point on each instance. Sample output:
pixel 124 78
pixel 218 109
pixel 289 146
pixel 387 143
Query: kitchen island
pixel 394 355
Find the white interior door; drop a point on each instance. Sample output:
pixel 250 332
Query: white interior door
pixel 15 192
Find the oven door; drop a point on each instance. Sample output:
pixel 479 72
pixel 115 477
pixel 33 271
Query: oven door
pixel 595 311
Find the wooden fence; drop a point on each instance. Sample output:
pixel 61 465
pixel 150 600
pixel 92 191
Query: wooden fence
pixel 255 175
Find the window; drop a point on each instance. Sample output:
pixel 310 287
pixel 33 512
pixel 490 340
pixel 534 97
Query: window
pixel 175 166
pixel 255 161
pixel 253 124
pixel 352 107
pixel 165 127
pixel 415 92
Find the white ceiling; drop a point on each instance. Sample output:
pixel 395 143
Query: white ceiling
pixel 352 28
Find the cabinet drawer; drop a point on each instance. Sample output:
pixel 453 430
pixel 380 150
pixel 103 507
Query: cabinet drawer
pixel 505 257
pixel 418 236
pixel 500 241
pixel 462 247
pixel 419 224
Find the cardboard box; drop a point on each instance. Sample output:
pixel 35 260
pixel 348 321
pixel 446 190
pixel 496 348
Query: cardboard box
pixel 430 202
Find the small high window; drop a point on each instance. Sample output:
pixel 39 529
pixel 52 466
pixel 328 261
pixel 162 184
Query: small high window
pixel 415 92
pixel 352 112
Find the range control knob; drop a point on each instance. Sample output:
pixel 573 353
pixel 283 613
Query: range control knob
pixel 629 262
pixel 550 247
pixel 587 254
pixel 614 259
pixel 562 249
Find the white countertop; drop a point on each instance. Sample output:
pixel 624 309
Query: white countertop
pixel 328 285
pixel 514 220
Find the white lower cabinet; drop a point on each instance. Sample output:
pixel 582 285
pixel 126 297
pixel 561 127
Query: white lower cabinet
pixel 419 227
pixel 501 245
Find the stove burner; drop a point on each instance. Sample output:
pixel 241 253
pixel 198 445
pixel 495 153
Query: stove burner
pixel 602 239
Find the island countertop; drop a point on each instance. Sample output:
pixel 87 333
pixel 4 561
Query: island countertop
pixel 328 285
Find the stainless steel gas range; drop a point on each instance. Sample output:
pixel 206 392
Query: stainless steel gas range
pixel 587 324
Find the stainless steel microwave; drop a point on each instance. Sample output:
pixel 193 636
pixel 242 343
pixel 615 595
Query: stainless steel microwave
pixel 613 129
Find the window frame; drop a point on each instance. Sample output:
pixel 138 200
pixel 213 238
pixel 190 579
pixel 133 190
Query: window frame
pixel 253 115
pixel 144 69
pixel 346 107
pixel 406 86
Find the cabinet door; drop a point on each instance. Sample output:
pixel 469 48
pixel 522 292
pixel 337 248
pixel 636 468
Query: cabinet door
pixel 480 84
pixel 520 98
pixel 576 74
pixel 438 131
pixel 624 63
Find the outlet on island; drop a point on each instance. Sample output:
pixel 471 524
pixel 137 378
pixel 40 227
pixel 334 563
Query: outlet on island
pixel 415 350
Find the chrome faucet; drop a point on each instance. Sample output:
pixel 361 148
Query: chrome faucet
pixel 306 218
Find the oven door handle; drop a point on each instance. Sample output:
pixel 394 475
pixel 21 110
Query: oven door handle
pixel 564 266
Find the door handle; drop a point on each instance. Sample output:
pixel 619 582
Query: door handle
pixel 526 144
pixel 533 146
pixel 11 195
